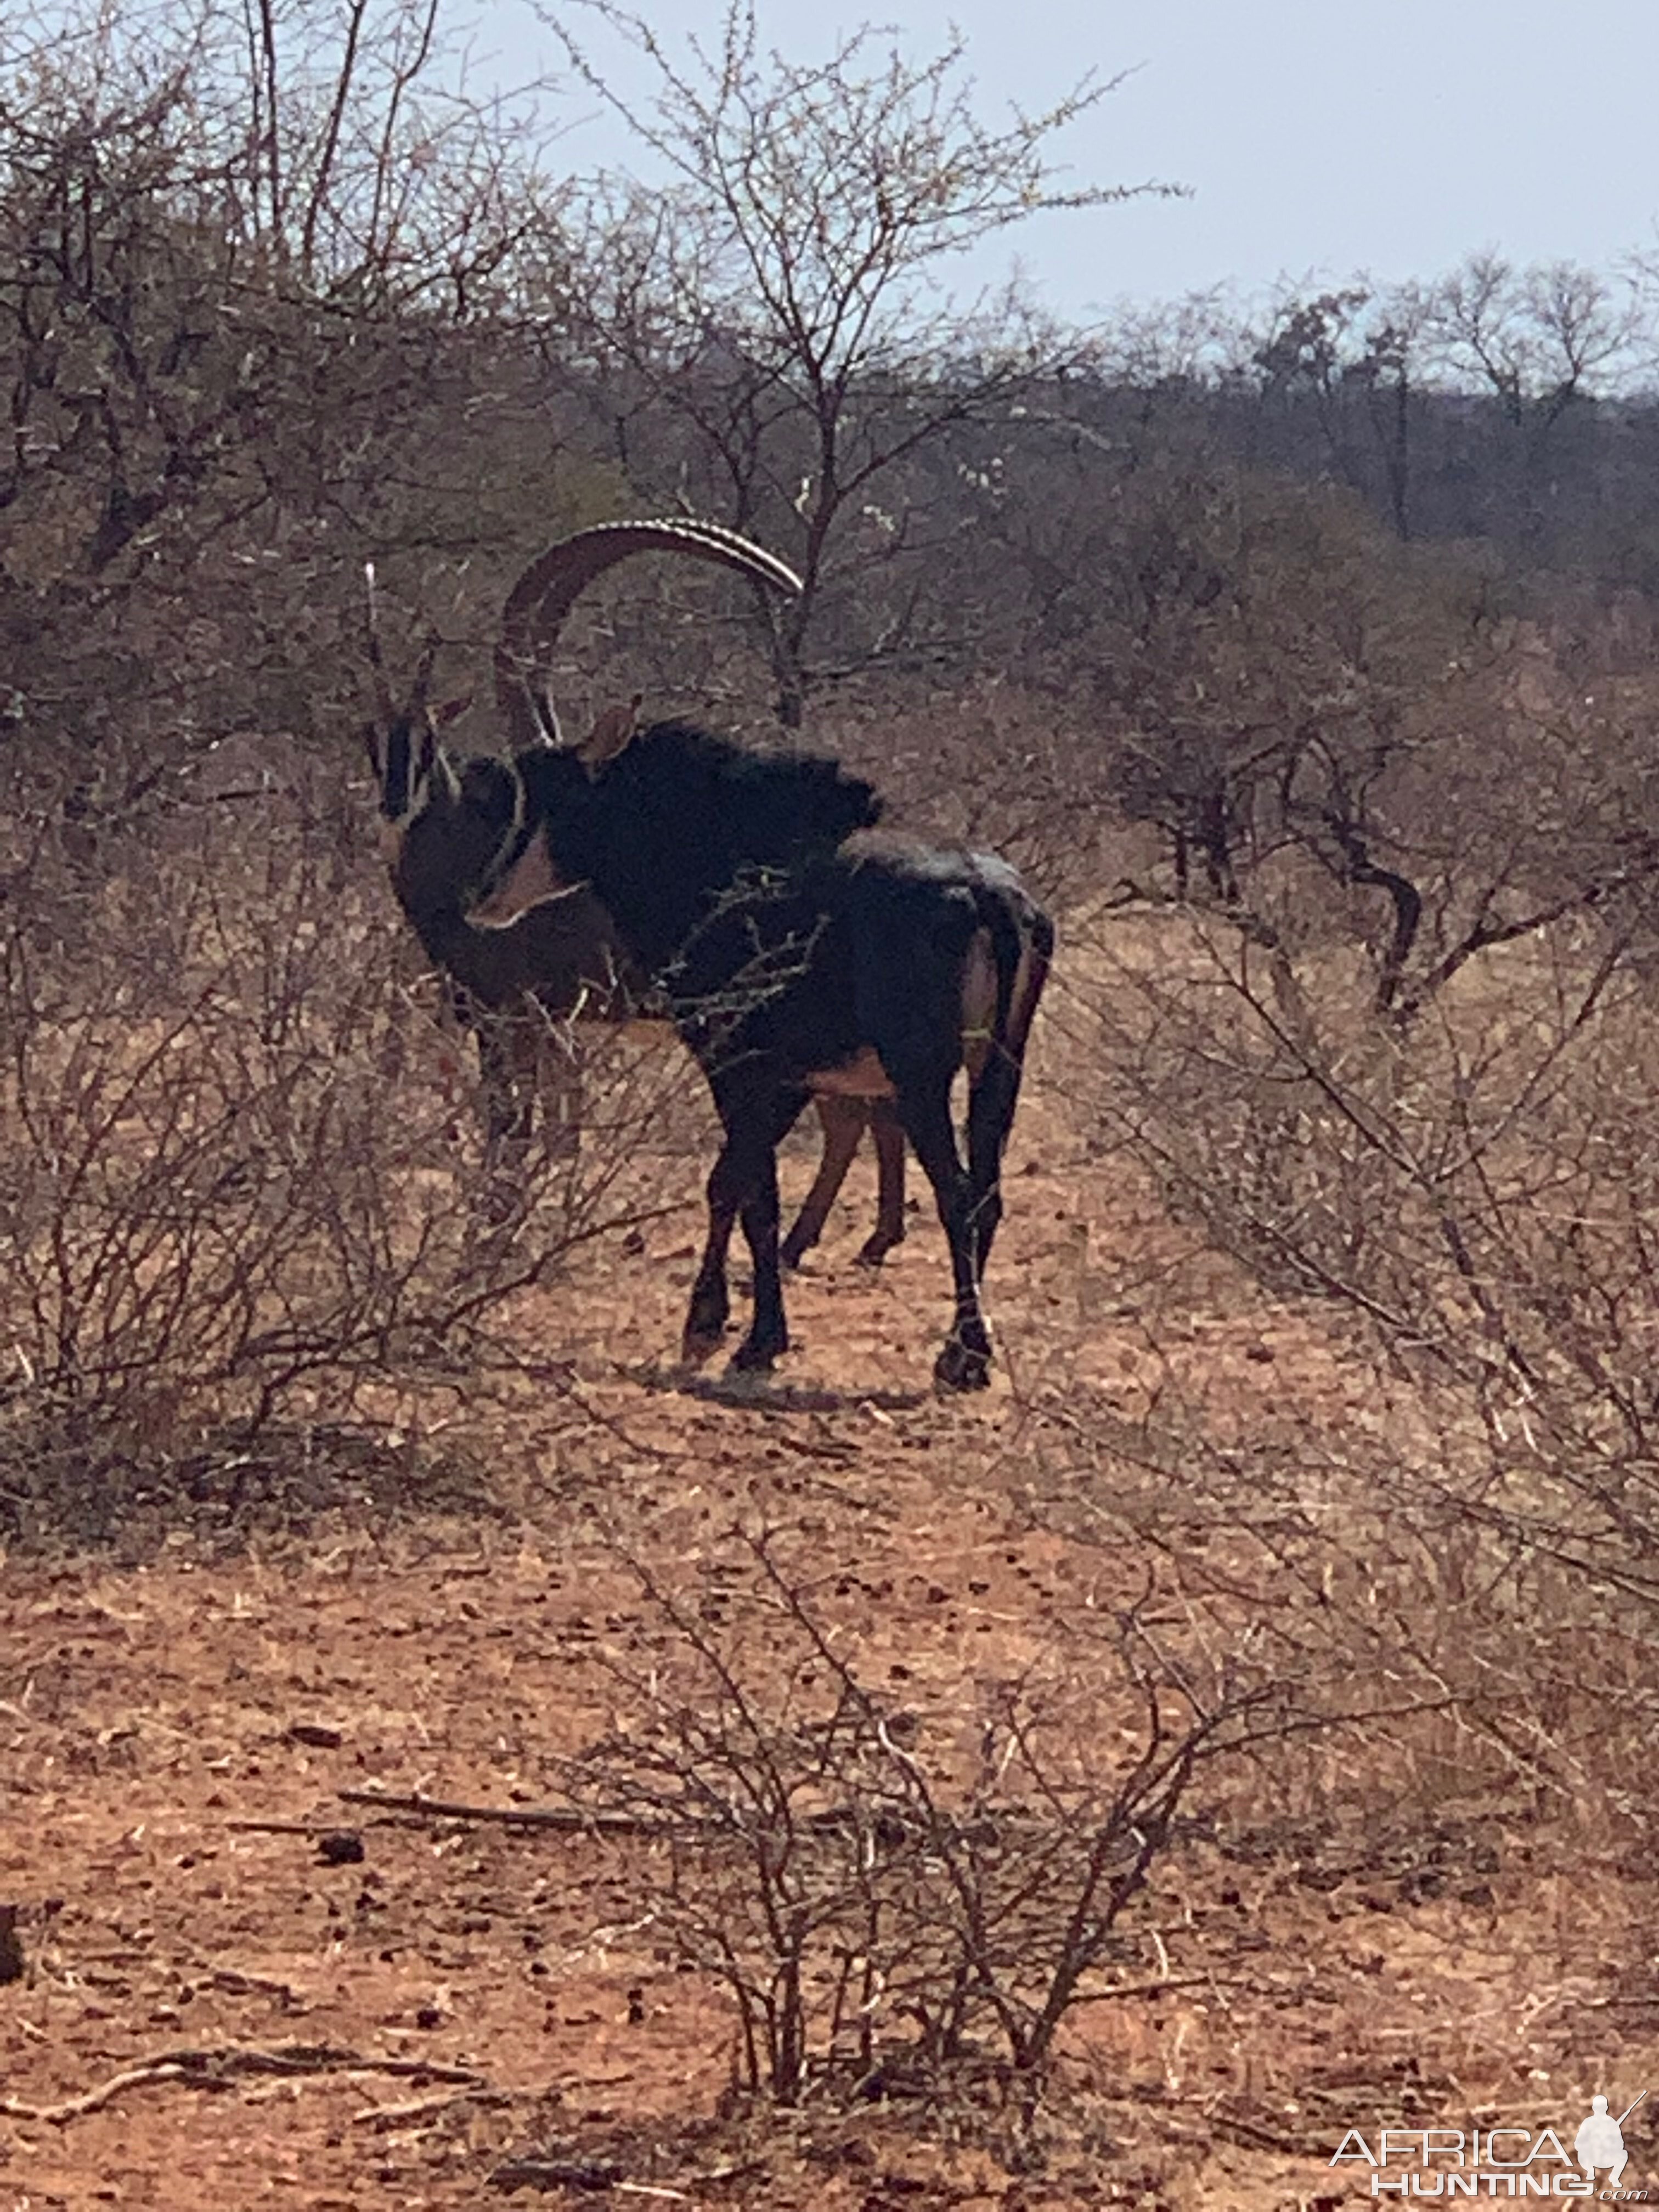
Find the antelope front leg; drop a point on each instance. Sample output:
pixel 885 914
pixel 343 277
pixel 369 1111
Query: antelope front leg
pixel 768 1333
pixel 711 1304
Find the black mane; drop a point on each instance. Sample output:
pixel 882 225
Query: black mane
pixel 681 816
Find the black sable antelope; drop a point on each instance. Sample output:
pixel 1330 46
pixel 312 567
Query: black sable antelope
pixel 789 967
pixel 515 988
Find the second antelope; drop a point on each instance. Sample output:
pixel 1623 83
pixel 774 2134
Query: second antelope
pixel 790 966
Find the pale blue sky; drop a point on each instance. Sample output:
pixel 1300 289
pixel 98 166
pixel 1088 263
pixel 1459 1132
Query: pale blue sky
pixel 1318 136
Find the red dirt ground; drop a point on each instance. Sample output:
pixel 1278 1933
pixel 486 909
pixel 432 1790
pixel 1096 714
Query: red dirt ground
pixel 465 1991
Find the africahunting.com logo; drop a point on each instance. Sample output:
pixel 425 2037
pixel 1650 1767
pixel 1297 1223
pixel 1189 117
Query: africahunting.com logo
pixel 1498 2161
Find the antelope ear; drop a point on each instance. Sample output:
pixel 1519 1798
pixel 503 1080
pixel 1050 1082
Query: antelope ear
pixel 610 734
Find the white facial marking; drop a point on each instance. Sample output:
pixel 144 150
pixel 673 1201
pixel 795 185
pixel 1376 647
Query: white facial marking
pixel 532 880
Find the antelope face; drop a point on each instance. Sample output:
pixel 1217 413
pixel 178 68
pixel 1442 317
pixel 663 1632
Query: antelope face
pixel 405 759
pixel 441 827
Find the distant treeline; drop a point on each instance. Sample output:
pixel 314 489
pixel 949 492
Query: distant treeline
pixel 268 312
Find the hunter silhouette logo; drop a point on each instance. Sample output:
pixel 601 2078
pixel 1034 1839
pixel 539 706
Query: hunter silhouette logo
pixel 1450 2162
pixel 1600 2139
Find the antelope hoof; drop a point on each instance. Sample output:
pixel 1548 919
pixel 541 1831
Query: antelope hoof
pixel 874 1249
pixel 755 1355
pixel 705 1325
pixel 962 1366
pixel 795 1248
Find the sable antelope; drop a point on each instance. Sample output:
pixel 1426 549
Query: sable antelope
pixel 515 988
pixel 789 967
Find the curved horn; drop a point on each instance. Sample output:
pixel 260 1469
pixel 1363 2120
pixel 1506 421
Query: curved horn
pixel 538 603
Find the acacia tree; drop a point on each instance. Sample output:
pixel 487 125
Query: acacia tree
pixel 1539 339
pixel 781 308
pixel 248 267
pixel 1540 342
pixel 1348 346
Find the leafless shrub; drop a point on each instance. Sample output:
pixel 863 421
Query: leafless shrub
pixel 219 1218
pixel 1470 1196
pixel 888 1892
pixel 767 317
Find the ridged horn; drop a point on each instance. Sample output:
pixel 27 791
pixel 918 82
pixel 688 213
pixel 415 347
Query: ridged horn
pixel 538 603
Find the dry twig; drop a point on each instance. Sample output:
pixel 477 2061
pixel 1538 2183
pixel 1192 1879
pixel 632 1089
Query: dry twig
pixel 381 2116
pixel 570 1817
pixel 216 2069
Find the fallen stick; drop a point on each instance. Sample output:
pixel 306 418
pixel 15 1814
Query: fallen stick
pixel 1159 1988
pixel 216 2069
pixel 93 2100
pixel 571 1819
pixel 275 1827
pixel 598 2175
pixel 567 1817
pixel 418 2108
